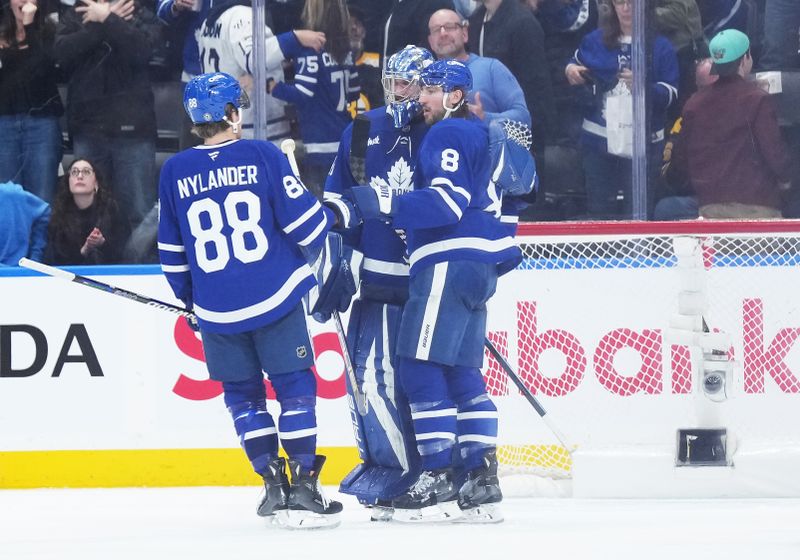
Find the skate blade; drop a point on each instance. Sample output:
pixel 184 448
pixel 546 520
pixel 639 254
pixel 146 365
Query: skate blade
pixel 307 520
pixel 381 513
pixel 486 513
pixel 437 513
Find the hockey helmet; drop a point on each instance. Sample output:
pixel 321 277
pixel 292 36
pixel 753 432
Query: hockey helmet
pixel 401 83
pixel 207 95
pixel 450 75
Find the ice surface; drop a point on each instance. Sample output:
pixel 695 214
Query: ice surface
pixel 220 524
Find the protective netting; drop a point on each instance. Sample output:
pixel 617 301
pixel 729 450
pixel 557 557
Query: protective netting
pixel 717 283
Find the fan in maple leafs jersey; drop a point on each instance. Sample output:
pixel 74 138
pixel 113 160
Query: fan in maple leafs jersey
pixel 388 154
pixel 225 41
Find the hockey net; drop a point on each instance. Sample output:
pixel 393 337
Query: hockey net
pixel 606 322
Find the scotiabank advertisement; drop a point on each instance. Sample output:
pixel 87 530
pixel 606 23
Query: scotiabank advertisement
pixel 81 369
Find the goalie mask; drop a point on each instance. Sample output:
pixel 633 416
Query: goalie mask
pixel 206 96
pixel 401 83
pixel 450 75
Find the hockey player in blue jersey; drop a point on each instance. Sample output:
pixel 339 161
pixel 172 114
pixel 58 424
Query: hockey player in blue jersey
pixel 235 225
pixel 456 244
pixel 324 84
pixel 381 149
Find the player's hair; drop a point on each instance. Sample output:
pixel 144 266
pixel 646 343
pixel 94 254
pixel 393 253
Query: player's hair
pixel 332 18
pixel 463 110
pixel 211 129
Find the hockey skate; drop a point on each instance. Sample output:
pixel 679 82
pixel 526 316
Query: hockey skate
pixel 431 499
pixel 308 507
pixel 480 493
pixel 276 489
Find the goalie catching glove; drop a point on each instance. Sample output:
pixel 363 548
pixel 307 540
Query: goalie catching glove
pixel 514 169
pixel 336 284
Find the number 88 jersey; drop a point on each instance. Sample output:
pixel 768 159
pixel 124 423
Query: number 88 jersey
pixel 234 223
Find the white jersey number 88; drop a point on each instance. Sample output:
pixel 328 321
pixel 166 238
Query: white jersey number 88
pixel 213 236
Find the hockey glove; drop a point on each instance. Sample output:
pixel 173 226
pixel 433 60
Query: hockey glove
pixel 191 320
pixel 514 169
pixel 335 282
pixel 374 202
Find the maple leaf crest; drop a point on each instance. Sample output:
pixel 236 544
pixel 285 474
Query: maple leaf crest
pixel 399 178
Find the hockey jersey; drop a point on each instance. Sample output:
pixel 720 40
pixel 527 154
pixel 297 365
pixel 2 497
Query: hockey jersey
pixel 390 158
pixel 234 220
pixel 454 211
pixel 605 64
pixel 225 41
pixel 321 92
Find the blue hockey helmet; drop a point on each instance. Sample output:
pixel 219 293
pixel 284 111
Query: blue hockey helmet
pixel 207 95
pixel 450 75
pixel 401 83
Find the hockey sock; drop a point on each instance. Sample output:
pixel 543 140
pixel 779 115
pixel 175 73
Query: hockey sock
pixel 256 430
pixel 432 412
pixel 296 392
pixel 477 415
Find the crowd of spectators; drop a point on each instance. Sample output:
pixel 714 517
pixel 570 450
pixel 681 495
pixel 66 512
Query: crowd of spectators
pixel 80 141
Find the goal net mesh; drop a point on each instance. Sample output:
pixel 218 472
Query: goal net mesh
pixel 591 276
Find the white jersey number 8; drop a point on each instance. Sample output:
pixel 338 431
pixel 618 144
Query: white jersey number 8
pixel 212 235
pixel 450 160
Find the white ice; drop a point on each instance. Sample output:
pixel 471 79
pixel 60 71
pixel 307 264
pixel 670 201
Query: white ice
pixel 220 524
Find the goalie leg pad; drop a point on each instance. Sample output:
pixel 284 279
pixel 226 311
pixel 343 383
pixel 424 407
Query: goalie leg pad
pixel 246 402
pixel 386 437
pixel 296 393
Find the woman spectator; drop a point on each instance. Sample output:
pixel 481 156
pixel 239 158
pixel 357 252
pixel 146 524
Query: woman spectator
pixel 324 84
pixel 602 63
pixel 30 135
pixel 87 226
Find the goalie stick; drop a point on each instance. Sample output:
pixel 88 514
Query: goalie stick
pixel 108 288
pixel 527 393
pixel 287 147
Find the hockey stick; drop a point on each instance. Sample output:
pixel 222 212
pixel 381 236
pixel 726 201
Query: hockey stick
pixel 287 147
pixel 108 288
pixel 527 393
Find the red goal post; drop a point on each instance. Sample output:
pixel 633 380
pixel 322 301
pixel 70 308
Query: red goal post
pixel 604 322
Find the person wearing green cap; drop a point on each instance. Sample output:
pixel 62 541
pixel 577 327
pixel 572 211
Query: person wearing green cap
pixel 730 148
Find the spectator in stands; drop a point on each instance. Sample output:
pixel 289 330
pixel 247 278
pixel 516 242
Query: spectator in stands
pixel 717 15
pixel 781 27
pixel 602 65
pixel 730 148
pixel 189 15
pixel 407 24
pixel 508 31
pixel 87 226
pixel 496 94
pixel 676 200
pixel 23 224
pixel 104 48
pixel 325 83
pixel 679 21
pixel 564 22
pixel 30 106
pixel 226 43
pixel 368 63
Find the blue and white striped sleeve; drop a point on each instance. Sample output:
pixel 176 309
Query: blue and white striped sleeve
pixel 171 249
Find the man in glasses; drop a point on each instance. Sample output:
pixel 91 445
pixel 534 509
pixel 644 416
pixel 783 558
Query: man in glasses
pixel 496 92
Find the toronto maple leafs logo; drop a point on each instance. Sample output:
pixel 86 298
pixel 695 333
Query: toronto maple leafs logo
pixel 398 178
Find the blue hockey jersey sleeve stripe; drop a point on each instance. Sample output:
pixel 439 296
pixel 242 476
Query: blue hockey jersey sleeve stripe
pixel 472 243
pixel 171 247
pixel 342 208
pixel 304 218
pixel 305 90
pixel 260 308
pixel 385 267
pixel 449 201
pixel 448 183
pixel 175 267
pixel 303 78
pixel 320 229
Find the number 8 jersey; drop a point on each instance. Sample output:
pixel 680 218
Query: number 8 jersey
pixel 234 221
